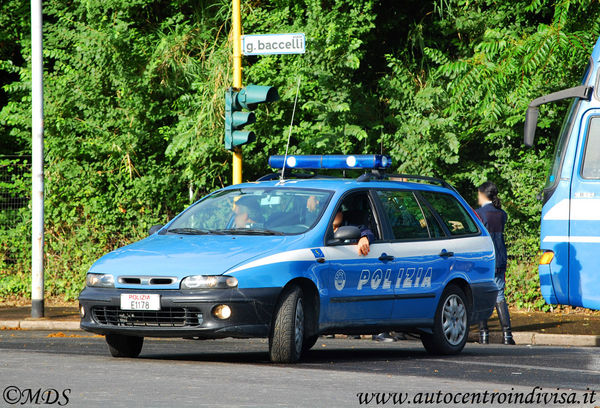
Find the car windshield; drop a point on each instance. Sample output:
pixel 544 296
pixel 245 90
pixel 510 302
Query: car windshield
pixel 253 211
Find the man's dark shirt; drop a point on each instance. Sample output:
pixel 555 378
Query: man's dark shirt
pixel 366 232
pixel 494 220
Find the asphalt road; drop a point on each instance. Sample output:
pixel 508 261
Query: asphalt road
pixel 179 373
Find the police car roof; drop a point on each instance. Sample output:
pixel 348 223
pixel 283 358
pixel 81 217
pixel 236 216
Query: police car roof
pixel 343 184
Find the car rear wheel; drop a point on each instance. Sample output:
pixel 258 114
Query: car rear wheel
pixel 287 335
pixel 451 324
pixel 120 345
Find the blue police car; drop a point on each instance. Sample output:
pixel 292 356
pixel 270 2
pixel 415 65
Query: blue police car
pixel 293 259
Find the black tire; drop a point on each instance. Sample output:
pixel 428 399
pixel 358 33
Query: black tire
pixel 309 342
pixel 287 334
pixel 124 346
pixel 451 324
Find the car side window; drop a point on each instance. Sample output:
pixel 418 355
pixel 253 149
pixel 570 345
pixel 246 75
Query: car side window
pixel 407 217
pixel 435 229
pixel 356 209
pixel 451 211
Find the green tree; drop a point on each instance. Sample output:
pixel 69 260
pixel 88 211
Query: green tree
pixel 134 105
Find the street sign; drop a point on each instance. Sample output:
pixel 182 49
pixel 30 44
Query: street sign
pixel 263 44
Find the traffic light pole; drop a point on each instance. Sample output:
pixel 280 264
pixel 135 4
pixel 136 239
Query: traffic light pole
pixel 236 20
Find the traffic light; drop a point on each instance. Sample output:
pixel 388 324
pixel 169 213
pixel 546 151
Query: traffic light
pixel 247 98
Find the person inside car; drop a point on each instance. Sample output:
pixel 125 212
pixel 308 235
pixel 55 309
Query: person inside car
pixel 247 212
pixel 312 204
pixel 366 235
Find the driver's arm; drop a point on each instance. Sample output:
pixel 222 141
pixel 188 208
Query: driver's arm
pixel 366 237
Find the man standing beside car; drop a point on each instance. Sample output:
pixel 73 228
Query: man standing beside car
pixel 494 219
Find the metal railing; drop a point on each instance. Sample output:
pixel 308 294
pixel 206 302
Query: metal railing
pixel 15 213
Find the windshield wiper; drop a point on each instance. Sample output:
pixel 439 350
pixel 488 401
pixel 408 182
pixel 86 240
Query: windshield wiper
pixel 250 231
pixel 190 231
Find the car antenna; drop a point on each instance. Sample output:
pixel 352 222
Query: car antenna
pixel 290 132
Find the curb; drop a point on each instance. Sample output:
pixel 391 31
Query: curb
pixel 545 339
pixel 41 324
pixel 521 338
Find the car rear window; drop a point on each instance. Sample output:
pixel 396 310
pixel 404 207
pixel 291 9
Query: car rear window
pixel 454 215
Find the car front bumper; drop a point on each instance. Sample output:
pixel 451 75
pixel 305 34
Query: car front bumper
pixel 184 313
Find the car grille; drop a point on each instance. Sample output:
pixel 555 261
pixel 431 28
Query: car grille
pixel 147 280
pixel 167 317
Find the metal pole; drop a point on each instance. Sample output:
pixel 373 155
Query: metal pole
pixel 37 161
pixel 236 20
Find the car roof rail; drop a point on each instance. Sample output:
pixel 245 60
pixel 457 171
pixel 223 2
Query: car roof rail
pixel 428 179
pixel 405 177
pixel 373 174
pixel 367 176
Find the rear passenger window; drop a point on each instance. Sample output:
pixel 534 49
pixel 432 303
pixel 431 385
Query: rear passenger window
pixel 454 215
pixel 407 217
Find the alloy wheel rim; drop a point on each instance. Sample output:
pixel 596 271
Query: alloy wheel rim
pixel 454 320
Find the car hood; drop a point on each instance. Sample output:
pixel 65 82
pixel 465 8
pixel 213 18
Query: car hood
pixel 184 255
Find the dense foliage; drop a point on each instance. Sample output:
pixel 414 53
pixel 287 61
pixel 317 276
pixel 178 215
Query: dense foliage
pixel 134 106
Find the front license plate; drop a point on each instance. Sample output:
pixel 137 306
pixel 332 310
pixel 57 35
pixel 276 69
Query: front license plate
pixel 140 301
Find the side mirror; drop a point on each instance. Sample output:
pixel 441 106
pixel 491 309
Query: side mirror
pixel 154 229
pixel 346 233
pixel 531 118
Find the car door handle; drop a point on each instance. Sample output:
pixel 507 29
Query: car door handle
pixel 385 257
pixel 446 254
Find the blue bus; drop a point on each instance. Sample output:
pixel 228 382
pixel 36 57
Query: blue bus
pixel 570 232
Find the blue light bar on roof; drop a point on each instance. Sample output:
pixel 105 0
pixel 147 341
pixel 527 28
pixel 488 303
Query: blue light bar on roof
pixel 339 161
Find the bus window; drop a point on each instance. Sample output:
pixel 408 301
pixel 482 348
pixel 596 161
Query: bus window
pixel 591 158
pixel 561 145
pixel 563 139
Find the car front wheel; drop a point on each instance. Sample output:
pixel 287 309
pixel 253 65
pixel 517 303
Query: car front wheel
pixel 309 342
pixel 451 324
pixel 287 335
pixel 124 346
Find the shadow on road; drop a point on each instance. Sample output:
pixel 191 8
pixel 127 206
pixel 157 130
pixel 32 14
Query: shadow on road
pixel 338 354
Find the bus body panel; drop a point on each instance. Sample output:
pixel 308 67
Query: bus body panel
pixel 584 219
pixel 571 213
pixel 554 281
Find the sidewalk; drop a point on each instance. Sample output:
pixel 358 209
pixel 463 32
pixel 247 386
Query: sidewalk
pixel 552 329
pixel 556 329
pixel 57 318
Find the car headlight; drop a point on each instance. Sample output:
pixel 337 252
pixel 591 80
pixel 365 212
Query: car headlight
pixel 100 280
pixel 209 282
